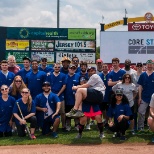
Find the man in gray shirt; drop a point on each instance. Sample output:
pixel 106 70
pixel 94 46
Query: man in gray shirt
pixel 91 92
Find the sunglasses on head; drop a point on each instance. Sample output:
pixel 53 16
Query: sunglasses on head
pixel 24 92
pixel 3 89
pixel 18 81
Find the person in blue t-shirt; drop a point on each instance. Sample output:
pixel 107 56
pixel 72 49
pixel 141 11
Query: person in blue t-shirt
pixel 6 77
pixel 69 94
pixel 75 61
pixel 48 106
pixel 35 79
pixel 58 84
pixel 65 64
pixel 26 69
pixel 44 66
pixel 6 106
pixel 120 111
pixel 28 110
pixel 83 72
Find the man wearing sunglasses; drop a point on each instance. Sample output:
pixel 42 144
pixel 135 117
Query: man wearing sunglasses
pixel 58 84
pixel 44 66
pixel 6 77
pixel 48 106
pixel 75 61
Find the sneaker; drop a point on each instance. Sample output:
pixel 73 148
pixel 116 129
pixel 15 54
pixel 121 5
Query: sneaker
pixel 78 136
pixel 78 114
pixel 33 137
pixel 68 128
pixel 88 127
pixel 72 112
pixel 140 131
pixel 122 138
pixel 101 136
pixel 76 128
pixel 92 123
pixel 116 134
pixel 133 132
pixel 54 135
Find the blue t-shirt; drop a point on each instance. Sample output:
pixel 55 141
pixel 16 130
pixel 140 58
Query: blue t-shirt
pixel 78 70
pixel 120 109
pixel 57 82
pixel 24 109
pixel 147 83
pixel 40 101
pixel 63 71
pixel 69 94
pixel 46 70
pixel 85 75
pixel 7 81
pixel 6 108
pixel 34 82
pixel 116 76
pixel 105 79
pixel 23 73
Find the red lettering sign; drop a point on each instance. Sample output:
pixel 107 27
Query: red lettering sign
pixel 140 26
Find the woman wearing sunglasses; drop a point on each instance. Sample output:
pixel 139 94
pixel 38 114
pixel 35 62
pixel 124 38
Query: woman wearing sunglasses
pixel 130 90
pixel 120 111
pixel 6 106
pixel 28 110
pixel 16 87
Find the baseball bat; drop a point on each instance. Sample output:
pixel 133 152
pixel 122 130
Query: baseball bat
pixel 27 129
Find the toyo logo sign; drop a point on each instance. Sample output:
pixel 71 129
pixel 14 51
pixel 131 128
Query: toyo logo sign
pixel 141 27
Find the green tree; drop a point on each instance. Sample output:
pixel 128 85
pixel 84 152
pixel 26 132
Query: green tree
pixel 98 52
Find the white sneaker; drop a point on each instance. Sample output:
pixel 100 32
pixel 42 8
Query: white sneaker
pixel 101 136
pixel 68 128
pixel 88 127
pixel 76 128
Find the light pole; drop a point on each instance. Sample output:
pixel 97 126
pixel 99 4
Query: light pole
pixel 57 13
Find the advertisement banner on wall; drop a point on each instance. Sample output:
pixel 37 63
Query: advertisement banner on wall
pixel 35 33
pixel 38 55
pixel 42 45
pixel 136 46
pixel 65 45
pixel 88 57
pixel 81 34
pixel 22 45
pixel 18 55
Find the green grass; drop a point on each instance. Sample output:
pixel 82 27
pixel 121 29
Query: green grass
pixel 89 137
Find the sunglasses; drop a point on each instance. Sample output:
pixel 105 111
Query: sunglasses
pixel 127 77
pixel 3 89
pixel 119 95
pixel 72 68
pixel 56 67
pixel 75 61
pixel 24 92
pixel 44 60
pixel 18 81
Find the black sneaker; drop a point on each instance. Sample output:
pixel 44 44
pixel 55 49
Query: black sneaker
pixel 122 138
pixel 116 134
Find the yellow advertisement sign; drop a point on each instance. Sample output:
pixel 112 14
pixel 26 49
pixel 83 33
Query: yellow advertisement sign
pixel 22 45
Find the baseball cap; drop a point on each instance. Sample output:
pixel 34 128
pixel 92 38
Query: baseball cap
pixel 149 61
pixel 90 68
pixel 65 59
pixel 99 61
pixel 46 83
pixel 119 92
pixel 26 58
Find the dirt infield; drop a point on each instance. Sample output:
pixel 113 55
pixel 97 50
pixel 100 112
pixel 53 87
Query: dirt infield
pixel 79 149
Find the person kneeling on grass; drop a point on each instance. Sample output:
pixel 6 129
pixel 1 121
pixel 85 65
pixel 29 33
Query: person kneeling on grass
pixel 48 105
pixel 90 111
pixel 28 110
pixel 121 112
pixel 91 92
pixel 151 116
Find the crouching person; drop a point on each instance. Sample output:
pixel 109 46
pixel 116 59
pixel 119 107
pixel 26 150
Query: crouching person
pixel 28 109
pixel 151 116
pixel 120 111
pixel 48 106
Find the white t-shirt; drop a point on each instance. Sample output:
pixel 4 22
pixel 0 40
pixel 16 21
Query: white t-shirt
pixel 50 111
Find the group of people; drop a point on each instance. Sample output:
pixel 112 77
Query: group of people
pixel 44 96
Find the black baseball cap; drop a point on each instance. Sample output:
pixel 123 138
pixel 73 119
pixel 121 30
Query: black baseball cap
pixel 91 68
pixel 26 58
pixel 46 83
pixel 119 92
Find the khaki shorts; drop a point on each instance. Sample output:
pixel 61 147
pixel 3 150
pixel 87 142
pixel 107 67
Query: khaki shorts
pixel 62 109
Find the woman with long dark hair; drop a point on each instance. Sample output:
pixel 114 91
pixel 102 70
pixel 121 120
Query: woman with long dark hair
pixel 28 110
pixel 120 111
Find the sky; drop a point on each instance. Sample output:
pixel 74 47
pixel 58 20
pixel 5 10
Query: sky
pixel 73 13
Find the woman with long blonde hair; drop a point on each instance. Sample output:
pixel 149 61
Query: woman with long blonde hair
pixel 28 110
pixel 16 87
